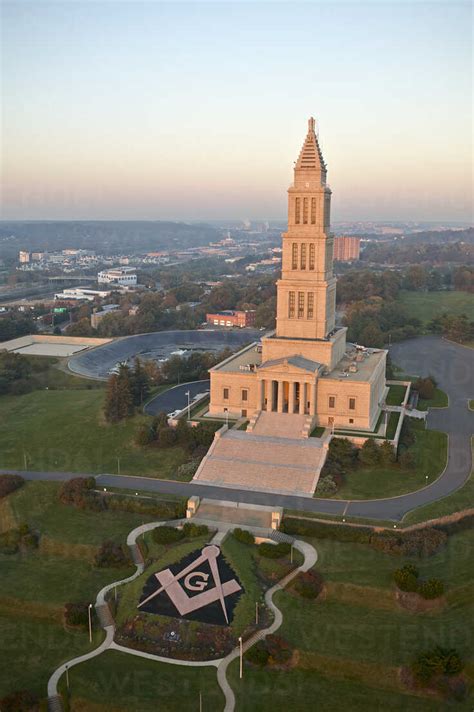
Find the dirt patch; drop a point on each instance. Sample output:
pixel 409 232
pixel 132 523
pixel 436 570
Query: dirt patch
pixel 54 547
pixel 415 603
pixel 380 598
pixel 15 607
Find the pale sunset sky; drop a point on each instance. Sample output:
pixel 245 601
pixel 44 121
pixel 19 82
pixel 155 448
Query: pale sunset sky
pixel 197 110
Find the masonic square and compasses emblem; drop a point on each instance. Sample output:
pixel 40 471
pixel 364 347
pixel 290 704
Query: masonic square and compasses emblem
pixel 201 587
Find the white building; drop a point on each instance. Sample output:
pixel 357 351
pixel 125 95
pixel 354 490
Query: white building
pixel 125 276
pixel 81 293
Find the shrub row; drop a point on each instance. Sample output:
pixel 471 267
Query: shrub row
pixel 170 535
pixel 308 584
pixel 272 650
pixel 274 551
pixel 420 542
pixel 77 615
pixel 243 536
pixel 10 483
pixel 111 555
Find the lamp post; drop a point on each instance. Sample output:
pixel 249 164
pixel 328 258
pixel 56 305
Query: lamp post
pixel 241 653
pixel 118 465
pixel 89 610
pixel 188 393
pixel 67 678
pixel 256 612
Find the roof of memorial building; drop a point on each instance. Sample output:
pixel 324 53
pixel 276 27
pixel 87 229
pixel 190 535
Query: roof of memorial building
pixel 310 155
pixel 305 364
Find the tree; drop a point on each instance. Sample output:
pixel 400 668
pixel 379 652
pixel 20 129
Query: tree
pixel 369 453
pixel 387 452
pixel 112 405
pixel 139 383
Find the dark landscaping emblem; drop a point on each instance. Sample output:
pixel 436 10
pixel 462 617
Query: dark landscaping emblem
pixel 202 588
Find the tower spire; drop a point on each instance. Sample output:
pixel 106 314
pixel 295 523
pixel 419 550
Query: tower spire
pixel 311 158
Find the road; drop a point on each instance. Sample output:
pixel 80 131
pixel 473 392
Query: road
pixel 450 364
pixel 175 398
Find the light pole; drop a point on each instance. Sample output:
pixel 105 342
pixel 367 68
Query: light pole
pixel 188 393
pixel 241 653
pixel 256 612
pixel 89 610
pixel 67 678
pixel 118 465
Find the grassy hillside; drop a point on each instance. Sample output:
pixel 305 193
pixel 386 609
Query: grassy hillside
pixel 426 305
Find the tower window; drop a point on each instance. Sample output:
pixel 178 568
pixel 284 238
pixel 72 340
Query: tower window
pixel 297 210
pixel 332 401
pixel 245 394
pixel 300 305
pixel 226 394
pixel 312 253
pixel 310 305
pixel 305 211
pixel 303 255
pixel 352 403
pixel 294 256
pixel 313 211
pixel 291 305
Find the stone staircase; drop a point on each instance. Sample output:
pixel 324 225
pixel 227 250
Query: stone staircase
pixel 105 616
pixel 264 463
pixel 281 425
pixel 55 704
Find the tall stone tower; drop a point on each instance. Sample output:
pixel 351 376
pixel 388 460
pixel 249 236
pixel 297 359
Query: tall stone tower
pixel 306 293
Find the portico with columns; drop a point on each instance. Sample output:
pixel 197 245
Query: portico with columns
pixel 286 386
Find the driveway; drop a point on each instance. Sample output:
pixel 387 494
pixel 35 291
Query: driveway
pixel 175 398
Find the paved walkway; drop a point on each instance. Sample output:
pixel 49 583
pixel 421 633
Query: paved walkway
pixel 310 558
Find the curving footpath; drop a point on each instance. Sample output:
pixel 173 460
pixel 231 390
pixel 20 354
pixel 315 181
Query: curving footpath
pixel 108 624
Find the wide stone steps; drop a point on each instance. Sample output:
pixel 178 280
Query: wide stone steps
pixel 105 616
pixel 55 704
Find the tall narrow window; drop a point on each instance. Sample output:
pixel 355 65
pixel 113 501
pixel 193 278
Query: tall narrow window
pixel 305 211
pixel 352 403
pixel 226 394
pixel 312 252
pixel 300 305
pixel 332 401
pixel 294 256
pixel 313 211
pixel 297 210
pixel 310 305
pixel 303 256
pixel 291 305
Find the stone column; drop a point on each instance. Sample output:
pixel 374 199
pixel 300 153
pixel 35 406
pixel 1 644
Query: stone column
pixel 280 397
pixel 272 396
pixel 312 398
pixel 261 395
pixel 302 397
pixel 291 397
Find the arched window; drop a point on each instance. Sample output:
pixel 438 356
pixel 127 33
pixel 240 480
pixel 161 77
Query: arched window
pixel 300 305
pixel 291 305
pixel 310 312
pixel 313 211
pixel 312 252
pixel 297 210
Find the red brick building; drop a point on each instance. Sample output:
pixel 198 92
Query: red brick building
pixel 232 318
pixel 346 249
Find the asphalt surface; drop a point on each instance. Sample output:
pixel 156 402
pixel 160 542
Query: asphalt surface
pixel 97 362
pixel 450 364
pixel 175 398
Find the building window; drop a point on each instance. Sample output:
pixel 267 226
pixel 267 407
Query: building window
pixel 300 305
pixel 310 305
pixel 291 305
pixel 332 401
pixel 352 403
pixel 351 420
pixel 297 210
pixel 313 211
pixel 226 394
pixel 245 394
pixel 305 211
pixel 312 251
pixel 294 256
pixel 303 256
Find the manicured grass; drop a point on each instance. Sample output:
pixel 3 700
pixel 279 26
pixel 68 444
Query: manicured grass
pixel 396 394
pixel 118 681
pixel 33 649
pixel 430 450
pixel 428 305
pixel 36 503
pixel 317 432
pixel 65 431
pixel 439 400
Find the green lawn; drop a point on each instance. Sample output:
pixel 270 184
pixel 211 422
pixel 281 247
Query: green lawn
pixel 65 431
pixel 396 394
pixel 427 305
pixel 430 449
pixel 124 683
pixel 439 400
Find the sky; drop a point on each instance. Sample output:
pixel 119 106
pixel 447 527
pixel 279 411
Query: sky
pixel 198 110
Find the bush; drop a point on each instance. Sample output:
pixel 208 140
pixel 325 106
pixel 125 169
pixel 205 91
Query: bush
pixel 278 649
pixel 274 551
pixel 22 701
pixel 188 469
pixel 425 387
pixel 439 661
pixel 308 584
pixel 243 536
pixel 10 483
pixel 144 435
pixel 167 535
pixel 387 453
pixel 433 588
pixel 20 538
pixel 422 542
pixel 406 578
pixel 327 485
pixel 191 531
pixel 320 530
pixel 369 453
pixel 166 437
pixel 111 555
pixel 150 507
pixel 77 615
pixel 406 459
pixel 79 492
pixel 342 457
pixel 258 654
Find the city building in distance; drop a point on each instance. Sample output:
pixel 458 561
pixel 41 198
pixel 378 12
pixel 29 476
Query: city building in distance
pixel 124 276
pixel 346 248
pixel 229 317
pixel 305 368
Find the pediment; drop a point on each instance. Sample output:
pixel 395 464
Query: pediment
pixel 290 364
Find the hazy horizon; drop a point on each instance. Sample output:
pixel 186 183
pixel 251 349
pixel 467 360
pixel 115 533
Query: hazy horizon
pixel 196 111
